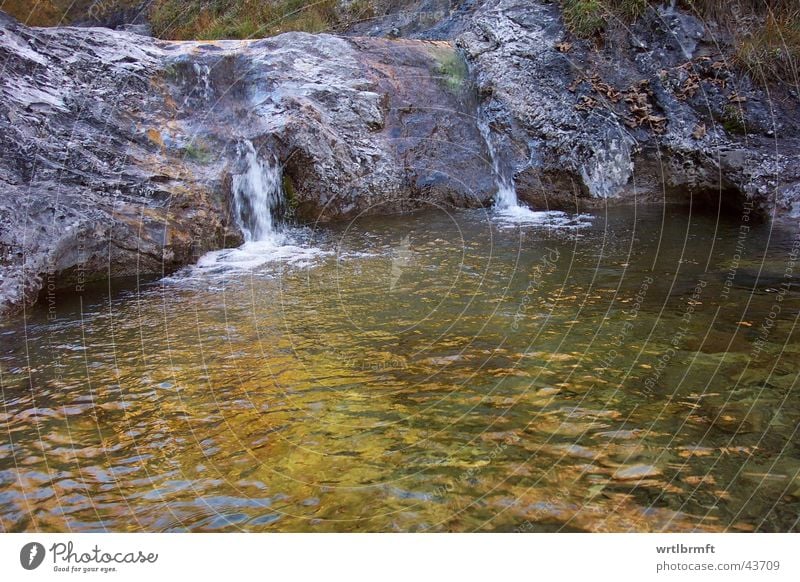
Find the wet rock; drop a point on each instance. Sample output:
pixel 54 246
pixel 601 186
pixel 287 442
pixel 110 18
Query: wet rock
pixel 591 124
pixel 736 417
pixel 118 149
pixel 636 472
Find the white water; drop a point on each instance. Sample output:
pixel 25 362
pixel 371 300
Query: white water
pixel 257 195
pixel 506 204
pixel 506 196
pixel 203 73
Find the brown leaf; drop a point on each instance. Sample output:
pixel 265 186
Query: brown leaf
pixel 563 47
pixel 699 131
pixel 572 87
pixel 586 103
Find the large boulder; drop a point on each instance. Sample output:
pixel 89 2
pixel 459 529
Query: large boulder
pixel 653 111
pixel 118 149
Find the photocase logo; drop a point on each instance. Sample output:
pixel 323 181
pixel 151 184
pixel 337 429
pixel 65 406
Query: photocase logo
pixel 31 555
pixel 402 258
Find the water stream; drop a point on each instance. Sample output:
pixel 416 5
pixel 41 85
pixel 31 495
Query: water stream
pixel 257 193
pixel 507 207
pixel 428 372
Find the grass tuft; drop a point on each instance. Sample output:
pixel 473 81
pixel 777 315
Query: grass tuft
pixel 586 18
pixel 450 68
pixel 772 52
pixel 238 19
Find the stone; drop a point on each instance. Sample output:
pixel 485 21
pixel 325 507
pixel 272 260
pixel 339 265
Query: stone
pixel 118 149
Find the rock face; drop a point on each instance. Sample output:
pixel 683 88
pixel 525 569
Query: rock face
pixel 420 19
pixel 83 191
pixel 359 125
pixel 118 150
pixel 656 113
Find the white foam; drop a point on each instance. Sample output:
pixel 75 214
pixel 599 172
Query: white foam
pixel 278 248
pixel 517 215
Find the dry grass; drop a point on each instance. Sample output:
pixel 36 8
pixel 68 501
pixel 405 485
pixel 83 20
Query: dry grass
pixel 766 33
pixel 216 19
pixel 61 12
pixel 771 52
pixel 587 18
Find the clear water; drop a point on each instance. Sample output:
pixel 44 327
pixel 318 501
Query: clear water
pixel 437 372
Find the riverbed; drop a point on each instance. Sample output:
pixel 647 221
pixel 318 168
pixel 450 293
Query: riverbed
pixel 630 370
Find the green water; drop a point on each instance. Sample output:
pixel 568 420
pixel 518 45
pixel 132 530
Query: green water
pixel 431 372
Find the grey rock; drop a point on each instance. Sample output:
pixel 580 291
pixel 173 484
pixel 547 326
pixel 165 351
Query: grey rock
pixel 417 19
pixel 565 119
pixel 118 149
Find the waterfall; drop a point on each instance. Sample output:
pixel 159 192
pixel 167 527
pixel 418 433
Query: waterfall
pixel 203 87
pixel 257 194
pixel 506 196
pixel 508 210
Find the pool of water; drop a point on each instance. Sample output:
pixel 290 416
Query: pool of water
pixel 634 370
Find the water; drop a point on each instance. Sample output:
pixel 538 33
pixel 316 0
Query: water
pixel 257 200
pixel 507 209
pixel 506 196
pixel 257 193
pixel 427 372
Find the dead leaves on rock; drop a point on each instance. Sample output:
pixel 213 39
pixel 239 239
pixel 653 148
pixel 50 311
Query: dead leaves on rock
pixel 563 47
pixel 702 69
pixel 699 131
pixel 586 103
pixel 638 99
pixel 604 89
pixel 640 107
pixel 689 87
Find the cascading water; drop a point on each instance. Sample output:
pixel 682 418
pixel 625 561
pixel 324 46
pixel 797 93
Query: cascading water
pixel 506 204
pixel 257 194
pixel 203 73
pixel 506 196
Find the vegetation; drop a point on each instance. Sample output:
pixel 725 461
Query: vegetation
pixel 766 32
pixel 589 17
pixel 290 197
pixel 450 67
pixel 198 151
pixel 215 19
pixel 202 19
pixel 62 12
pixel 772 52
pixel 733 120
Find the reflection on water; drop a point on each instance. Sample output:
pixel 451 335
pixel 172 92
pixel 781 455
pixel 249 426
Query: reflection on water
pixel 434 372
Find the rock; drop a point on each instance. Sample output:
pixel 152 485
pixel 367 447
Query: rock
pixel 636 472
pixel 577 129
pixel 118 149
pixel 418 19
